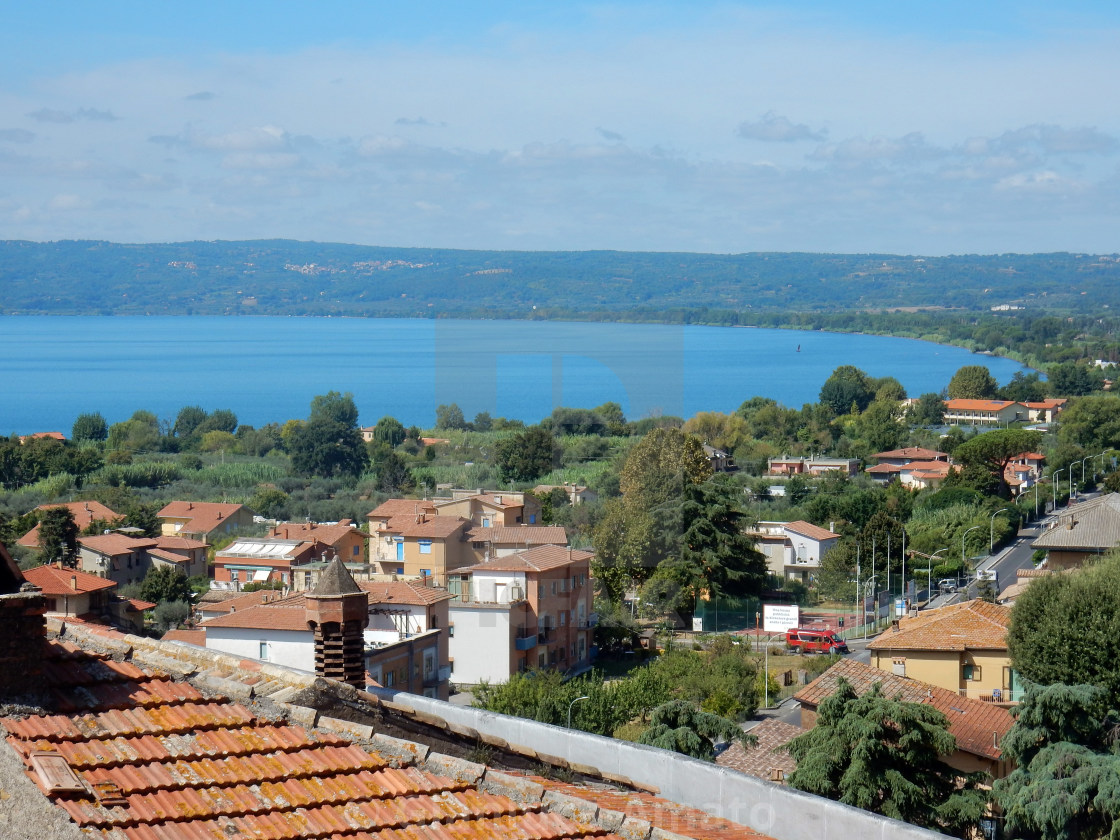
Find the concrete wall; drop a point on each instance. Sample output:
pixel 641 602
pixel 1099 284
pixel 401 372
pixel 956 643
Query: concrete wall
pixel 778 811
pixel 289 648
pixel 482 644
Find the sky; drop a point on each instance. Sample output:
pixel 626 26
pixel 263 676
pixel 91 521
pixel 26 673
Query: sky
pixel 729 127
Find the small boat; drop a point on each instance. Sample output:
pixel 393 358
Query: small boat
pixel 798 348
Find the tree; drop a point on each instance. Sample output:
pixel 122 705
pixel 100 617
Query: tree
pixel 140 433
pixel 990 453
pixel 58 536
pixel 89 427
pixel 527 455
pixel 393 474
pixel 164 584
pixel 660 466
pixel 450 417
pixel 168 615
pixel 681 727
pixel 1092 422
pixel 339 408
pixel 270 502
pixel 707 550
pixel 1024 388
pixel 929 410
pixel 1066 628
pixel 224 420
pixel 1063 749
pixel 482 422
pixel 973 382
pixel 1069 379
pixel 884 755
pixel 389 430
pixel 187 420
pixel 846 388
pixel 329 443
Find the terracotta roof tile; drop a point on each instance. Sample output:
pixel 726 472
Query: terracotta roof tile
pixel 768 755
pixel 57 581
pixel 808 529
pixel 83 512
pixel 263 616
pixel 977 726
pixel 116 544
pixel 527 535
pixel 433 527
pixel 539 559
pixel 202 517
pixel 977 405
pixel 914 453
pixel 401 507
pixel 154 760
pixel 969 625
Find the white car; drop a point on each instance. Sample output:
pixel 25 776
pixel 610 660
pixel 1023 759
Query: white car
pixel 947 585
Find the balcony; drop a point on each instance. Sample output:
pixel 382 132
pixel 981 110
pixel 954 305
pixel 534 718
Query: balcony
pixel 526 639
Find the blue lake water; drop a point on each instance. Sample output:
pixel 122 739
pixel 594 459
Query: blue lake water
pixel 54 368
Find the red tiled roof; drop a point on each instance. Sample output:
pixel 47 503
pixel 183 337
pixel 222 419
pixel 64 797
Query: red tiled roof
pixel 168 556
pixel 56 581
pixel 191 637
pixel 330 535
pixel 767 755
pixel 263 617
pixel 180 543
pixel 140 606
pixel 401 507
pixel 970 625
pixel 114 545
pixel 83 512
pixel 404 592
pixel 977 726
pixel 539 559
pixel 977 405
pixel 520 535
pixel 39 435
pixel 916 453
pixel 135 756
pixel 808 529
pixel 432 527
pixel 240 602
pixel 202 517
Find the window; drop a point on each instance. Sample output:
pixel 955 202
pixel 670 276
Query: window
pixel 435 621
pixel 970 672
pixel 263 651
pixel 532 519
pixel 425 546
pixel 541 659
pixel 451 629
pixel 356 551
pixel 234 576
pixel 554 587
pixel 563 617
pixel 388 679
pixel 400 570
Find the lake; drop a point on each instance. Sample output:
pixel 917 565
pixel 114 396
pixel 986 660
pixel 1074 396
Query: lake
pixel 53 368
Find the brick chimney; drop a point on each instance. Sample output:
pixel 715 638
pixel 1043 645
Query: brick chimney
pixel 23 630
pixel 337 613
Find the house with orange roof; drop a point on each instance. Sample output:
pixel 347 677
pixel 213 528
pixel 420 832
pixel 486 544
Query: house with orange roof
pixel 516 612
pixel 913 466
pixel 84 513
pixel 500 540
pixel 961 648
pixel 59 436
pixel 343 537
pixel 793 550
pixel 1045 411
pixel 264 560
pixel 405 636
pixel 119 558
pixel 71 592
pixel 204 521
pixel 421 545
pixel 978 727
pixel 961 412
pixel 491 508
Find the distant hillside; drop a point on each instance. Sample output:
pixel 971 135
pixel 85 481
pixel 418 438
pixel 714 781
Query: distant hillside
pixel 306 278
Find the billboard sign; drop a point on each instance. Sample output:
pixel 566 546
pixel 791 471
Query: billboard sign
pixel 778 618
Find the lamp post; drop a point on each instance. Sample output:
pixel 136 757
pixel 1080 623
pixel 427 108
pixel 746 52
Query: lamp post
pixel 1101 456
pixel 1054 479
pixel 584 697
pixel 874 605
pixel 992 530
pixel 929 574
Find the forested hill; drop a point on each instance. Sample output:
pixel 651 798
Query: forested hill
pixel 281 277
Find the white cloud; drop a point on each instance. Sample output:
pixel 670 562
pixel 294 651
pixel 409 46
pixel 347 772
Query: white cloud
pixel 774 128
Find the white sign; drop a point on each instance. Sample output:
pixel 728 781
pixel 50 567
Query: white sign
pixel 697 624
pixel 778 618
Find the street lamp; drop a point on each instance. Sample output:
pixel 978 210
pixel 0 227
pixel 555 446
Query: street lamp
pixel 584 697
pixel 929 574
pixel 992 530
pixel 1054 479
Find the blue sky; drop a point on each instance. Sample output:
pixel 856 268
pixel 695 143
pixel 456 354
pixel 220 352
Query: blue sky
pixel 922 128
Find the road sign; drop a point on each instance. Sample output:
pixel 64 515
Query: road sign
pixel 778 618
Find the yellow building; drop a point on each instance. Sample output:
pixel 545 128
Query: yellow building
pixel 962 648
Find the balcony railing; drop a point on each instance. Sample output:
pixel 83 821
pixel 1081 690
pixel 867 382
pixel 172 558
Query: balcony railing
pixel 526 642
pixel 992 695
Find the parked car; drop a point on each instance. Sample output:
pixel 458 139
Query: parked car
pixel 947 585
pixel 803 639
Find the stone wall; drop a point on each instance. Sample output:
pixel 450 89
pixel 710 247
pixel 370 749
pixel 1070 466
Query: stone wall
pixel 22 641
